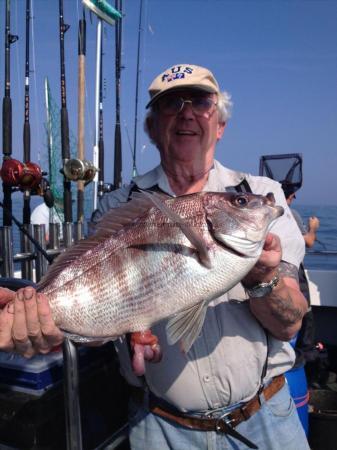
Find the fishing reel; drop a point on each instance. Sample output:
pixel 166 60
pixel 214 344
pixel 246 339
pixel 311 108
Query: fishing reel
pixel 79 170
pixel 21 175
pixel 26 177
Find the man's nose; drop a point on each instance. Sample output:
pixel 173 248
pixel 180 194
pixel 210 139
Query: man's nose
pixel 186 108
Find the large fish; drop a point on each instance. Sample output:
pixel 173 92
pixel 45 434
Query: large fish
pixel 157 257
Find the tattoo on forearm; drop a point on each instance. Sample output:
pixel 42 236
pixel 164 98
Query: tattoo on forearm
pixel 284 310
pixel 288 270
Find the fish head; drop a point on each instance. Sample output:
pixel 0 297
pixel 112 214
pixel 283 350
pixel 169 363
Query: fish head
pixel 241 221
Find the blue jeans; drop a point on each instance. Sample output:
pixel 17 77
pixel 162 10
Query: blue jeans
pixel 275 426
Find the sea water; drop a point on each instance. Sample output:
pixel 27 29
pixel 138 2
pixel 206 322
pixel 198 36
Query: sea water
pixel 323 255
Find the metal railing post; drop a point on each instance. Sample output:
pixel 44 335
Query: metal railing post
pixel 41 264
pixel 7 267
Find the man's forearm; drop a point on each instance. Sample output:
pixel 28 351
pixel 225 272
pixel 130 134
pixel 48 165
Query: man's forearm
pixel 310 238
pixel 282 310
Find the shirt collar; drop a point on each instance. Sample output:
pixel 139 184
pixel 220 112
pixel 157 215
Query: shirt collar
pixel 219 179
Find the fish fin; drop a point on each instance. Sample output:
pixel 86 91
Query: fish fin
pixel 186 326
pixel 127 212
pixel 193 236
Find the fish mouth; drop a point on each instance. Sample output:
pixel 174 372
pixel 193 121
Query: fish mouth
pixel 233 243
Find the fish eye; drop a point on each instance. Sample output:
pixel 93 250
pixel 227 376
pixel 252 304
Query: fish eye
pixel 241 200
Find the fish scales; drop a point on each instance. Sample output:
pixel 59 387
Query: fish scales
pixel 149 269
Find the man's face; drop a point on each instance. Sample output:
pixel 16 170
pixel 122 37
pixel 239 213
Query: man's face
pixel 186 131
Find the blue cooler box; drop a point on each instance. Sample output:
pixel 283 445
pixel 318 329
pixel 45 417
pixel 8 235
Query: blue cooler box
pixel 33 376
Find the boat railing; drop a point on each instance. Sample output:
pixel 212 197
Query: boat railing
pixel 36 252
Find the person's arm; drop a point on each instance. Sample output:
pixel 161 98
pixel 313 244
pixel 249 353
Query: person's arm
pixel 280 312
pixel 310 236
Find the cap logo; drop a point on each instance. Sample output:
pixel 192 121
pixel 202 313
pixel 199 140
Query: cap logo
pixel 176 73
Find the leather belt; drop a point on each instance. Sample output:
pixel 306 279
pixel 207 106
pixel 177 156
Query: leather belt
pixel 224 423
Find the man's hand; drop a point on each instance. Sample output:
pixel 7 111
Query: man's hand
pixel 267 266
pixel 145 347
pixel 6 295
pixel 26 323
pixel 282 310
pixel 313 223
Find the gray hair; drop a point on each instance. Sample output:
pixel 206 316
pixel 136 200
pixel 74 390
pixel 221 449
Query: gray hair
pixel 224 106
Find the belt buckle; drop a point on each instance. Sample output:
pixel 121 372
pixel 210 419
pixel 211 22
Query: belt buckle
pixel 223 418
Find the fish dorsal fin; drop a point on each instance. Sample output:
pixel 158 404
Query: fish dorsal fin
pixel 116 218
pixel 65 259
pixel 108 226
pixel 186 326
pixel 192 235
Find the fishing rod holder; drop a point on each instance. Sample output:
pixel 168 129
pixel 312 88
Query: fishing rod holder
pixel 79 170
pixel 32 262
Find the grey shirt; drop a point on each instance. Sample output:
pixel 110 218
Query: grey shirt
pixel 225 364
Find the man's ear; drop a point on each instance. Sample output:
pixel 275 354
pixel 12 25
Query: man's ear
pixel 220 130
pixel 149 127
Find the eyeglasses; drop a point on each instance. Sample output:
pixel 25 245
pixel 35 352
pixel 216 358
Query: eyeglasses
pixel 172 105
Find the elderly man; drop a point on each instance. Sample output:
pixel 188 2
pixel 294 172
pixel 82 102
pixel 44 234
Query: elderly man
pixel 228 390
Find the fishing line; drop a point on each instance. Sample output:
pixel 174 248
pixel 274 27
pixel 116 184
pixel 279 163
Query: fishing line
pixel 128 137
pixel 321 243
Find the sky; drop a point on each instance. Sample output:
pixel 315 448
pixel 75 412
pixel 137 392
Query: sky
pixel 277 59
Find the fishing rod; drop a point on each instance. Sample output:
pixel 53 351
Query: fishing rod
pixel 7 118
pixel 134 169
pixel 26 176
pixel 78 169
pixel 67 200
pixel 100 131
pixel 81 100
pixel 104 11
pixel 118 140
pixel 95 159
pixel 26 126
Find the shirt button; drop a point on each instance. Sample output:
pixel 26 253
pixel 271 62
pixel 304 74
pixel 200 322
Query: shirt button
pixel 206 378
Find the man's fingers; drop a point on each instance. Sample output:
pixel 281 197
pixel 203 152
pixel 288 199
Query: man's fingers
pixel 50 331
pixel 6 323
pixel 24 348
pixel 138 362
pixel 19 330
pixel 26 324
pixel 272 242
pixel 32 319
pixel 6 296
pixel 33 323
